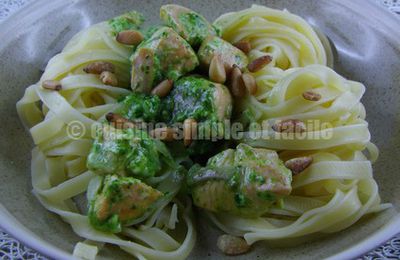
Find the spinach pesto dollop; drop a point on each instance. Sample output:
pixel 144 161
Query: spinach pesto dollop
pixel 197 98
pixel 127 152
pixel 204 101
pixel 193 27
pixel 128 21
pixel 245 181
pixel 140 106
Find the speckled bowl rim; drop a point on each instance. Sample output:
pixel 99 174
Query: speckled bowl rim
pixel 367 10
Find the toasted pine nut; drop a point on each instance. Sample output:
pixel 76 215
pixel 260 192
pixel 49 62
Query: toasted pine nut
pixel 189 131
pixel 297 165
pixel 228 70
pixel 217 71
pixel 311 95
pixel 231 245
pixel 109 78
pixel 243 45
pixel 98 67
pixel 250 83
pixel 259 63
pixel 289 126
pixel 130 37
pixel 103 211
pixel 52 85
pixel 238 88
pixel 119 122
pixel 111 117
pixel 163 134
pixel 163 88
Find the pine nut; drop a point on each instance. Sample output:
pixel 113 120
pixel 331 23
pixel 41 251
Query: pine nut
pixel 231 245
pixel 52 85
pixel 119 122
pixel 297 165
pixel 111 117
pixel 238 88
pixel 243 45
pixel 130 37
pixel 228 70
pixel 289 126
pixel 189 131
pixel 109 78
pixel 311 95
pixel 163 134
pixel 259 63
pixel 163 88
pixel 98 67
pixel 250 83
pixel 217 71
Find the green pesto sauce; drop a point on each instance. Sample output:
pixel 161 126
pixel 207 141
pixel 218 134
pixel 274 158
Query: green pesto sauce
pixel 240 200
pixel 112 191
pixel 255 178
pixel 217 30
pixel 196 27
pixel 235 179
pixel 107 156
pixel 247 155
pixel 141 106
pixel 157 67
pixel 110 225
pixel 171 62
pixel 148 33
pixel 173 57
pixel 191 97
pixel 193 27
pixel 129 21
pixel 223 158
pixel 131 153
pixel 265 195
pixel 144 70
pixel 243 171
pixel 143 159
pixel 229 54
pixel 246 118
pixel 112 187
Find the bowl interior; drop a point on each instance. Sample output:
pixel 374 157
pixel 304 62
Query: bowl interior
pixel 365 50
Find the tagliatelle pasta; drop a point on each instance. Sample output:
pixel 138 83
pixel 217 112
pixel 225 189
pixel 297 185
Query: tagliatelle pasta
pixel 329 195
pixel 337 118
pixel 59 172
pixel 338 188
pixel 286 37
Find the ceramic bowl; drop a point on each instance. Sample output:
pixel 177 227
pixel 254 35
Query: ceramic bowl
pixel 367 49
